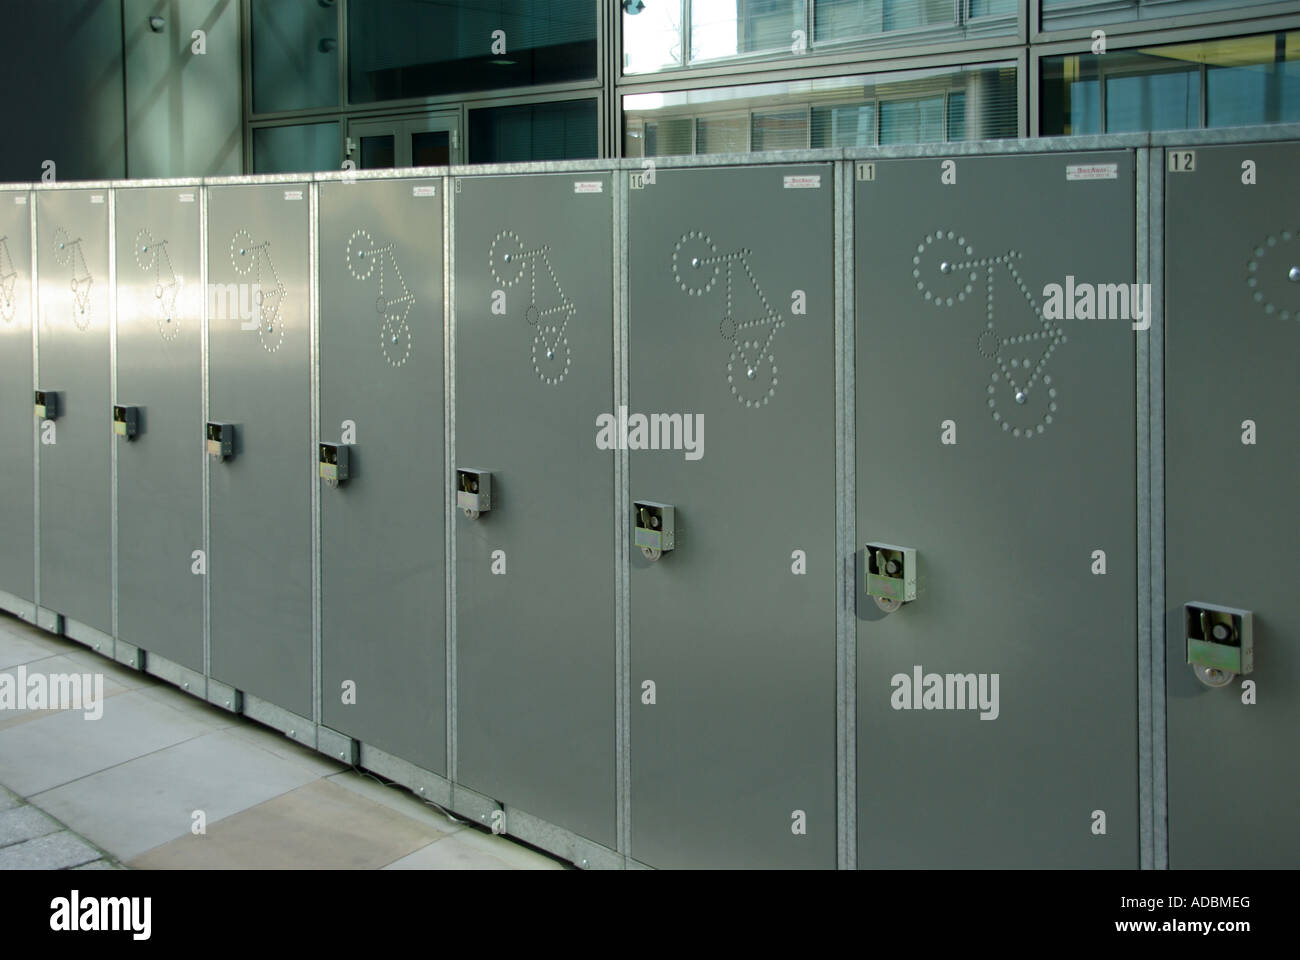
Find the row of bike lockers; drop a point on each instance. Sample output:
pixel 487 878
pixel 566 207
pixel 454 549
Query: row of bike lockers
pixel 921 507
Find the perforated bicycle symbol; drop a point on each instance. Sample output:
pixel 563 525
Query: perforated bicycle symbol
pixel 1273 275
pixel 509 262
pixel 67 253
pixel 751 367
pixel 152 256
pixel 393 305
pixel 1021 398
pixel 254 259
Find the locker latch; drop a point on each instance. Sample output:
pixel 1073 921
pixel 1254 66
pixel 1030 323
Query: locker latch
pixel 1220 644
pixel 655 528
pixel 221 440
pixel 333 466
pixel 891 575
pixel 126 421
pixel 473 492
pixel 47 404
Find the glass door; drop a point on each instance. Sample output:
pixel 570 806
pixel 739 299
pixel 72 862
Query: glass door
pixel 428 140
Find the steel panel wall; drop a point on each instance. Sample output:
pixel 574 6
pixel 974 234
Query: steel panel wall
pixel 733 765
pixel 534 369
pixel 1001 446
pixel 160 472
pixel 72 236
pixel 17 423
pixel 383 571
pixel 259 366
pixel 1232 328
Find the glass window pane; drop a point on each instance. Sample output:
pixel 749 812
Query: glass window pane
pixel 295 55
pixel 729 28
pixel 1159 101
pixel 377 153
pixel 431 148
pixel 652 37
pixel 535 131
pixel 992 8
pixel 779 130
pixel 1256 82
pixel 847 19
pixel 668 137
pixel 911 121
pixel 721 134
pixel 398 49
pixel 847 126
pixel 954 102
pixel 303 148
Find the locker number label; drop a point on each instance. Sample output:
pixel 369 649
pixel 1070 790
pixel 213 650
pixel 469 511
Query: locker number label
pixel 1182 161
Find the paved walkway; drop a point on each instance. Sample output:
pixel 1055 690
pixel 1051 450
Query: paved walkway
pixel 163 780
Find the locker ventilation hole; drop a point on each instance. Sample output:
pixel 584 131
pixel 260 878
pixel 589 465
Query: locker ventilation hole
pixel 267 293
pixel 751 366
pixel 152 257
pixel 393 305
pixel 547 313
pixel 67 253
pixel 8 279
pixel 1273 275
pixel 1020 395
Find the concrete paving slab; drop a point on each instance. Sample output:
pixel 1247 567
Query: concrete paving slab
pixel 143 803
pixel 65 746
pixel 318 826
pixel 57 851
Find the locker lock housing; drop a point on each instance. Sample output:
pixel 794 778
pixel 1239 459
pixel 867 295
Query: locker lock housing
pixel 891 575
pixel 654 528
pixel 221 440
pixel 1220 642
pixel 473 491
pixel 334 463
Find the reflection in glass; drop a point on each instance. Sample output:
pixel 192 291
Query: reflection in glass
pixel 727 28
pixel 1153 101
pixel 848 19
pixel 1240 80
pixel 399 49
pixel 722 134
pixel 959 103
pixel 779 129
pixel 295 55
pixel 853 125
pixel 301 148
pixel 652 40
pixel 911 121
pixel 536 131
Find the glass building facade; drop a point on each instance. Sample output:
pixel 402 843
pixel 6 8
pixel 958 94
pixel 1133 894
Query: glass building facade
pixel 391 83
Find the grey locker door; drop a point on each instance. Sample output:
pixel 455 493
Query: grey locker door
pixel 75 453
pixel 998 440
pixel 534 369
pixel 17 421
pixel 733 765
pixel 383 566
pixel 259 366
pixel 1232 332
pixel 160 471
